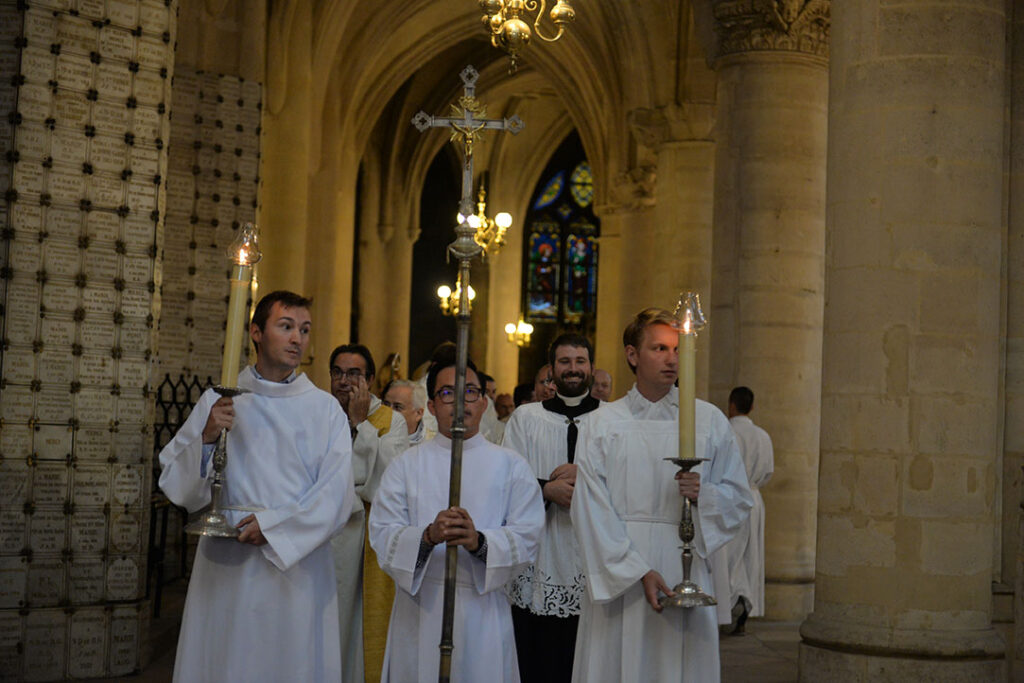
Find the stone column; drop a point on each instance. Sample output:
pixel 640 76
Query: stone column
pixel 683 208
pixel 910 390
pixel 1013 420
pixel 770 219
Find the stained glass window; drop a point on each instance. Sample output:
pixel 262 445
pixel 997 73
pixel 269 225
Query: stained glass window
pixel 560 258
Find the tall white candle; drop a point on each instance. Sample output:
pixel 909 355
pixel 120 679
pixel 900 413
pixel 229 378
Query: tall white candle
pixel 233 334
pixel 687 388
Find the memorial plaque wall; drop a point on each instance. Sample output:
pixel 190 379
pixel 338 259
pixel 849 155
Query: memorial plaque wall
pixel 85 90
pixel 212 189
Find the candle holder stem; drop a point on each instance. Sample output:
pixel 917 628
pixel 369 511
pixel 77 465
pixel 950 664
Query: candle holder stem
pixel 212 521
pixel 687 593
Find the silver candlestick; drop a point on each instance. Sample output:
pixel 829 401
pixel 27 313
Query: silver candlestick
pixel 687 593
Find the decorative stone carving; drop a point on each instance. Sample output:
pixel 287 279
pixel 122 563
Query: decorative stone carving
pixel 673 123
pixel 776 25
pixel 632 190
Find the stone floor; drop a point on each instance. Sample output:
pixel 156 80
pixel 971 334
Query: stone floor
pixel 767 653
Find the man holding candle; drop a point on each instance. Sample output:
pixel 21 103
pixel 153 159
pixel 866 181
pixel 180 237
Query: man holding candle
pixel 626 511
pixel 546 597
pixel 264 607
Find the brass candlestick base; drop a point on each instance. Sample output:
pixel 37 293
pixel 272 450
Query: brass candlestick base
pixel 213 523
pixel 687 593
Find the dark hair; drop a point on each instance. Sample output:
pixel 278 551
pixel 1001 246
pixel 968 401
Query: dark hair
pixel 742 398
pixel 570 339
pixel 445 360
pixel 484 378
pixel 287 299
pixel 371 369
pixel 522 393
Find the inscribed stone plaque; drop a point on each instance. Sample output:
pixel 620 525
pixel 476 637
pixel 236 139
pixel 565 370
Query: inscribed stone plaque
pixel 135 334
pixel 93 406
pixel 34 102
pixel 92 444
pixel 125 532
pixel 113 81
pixel 91 485
pixel 74 72
pixel 123 574
pixel 67 185
pixel 98 335
pixel 47 530
pixel 136 270
pixel 39 26
pixel 16 408
pixel 64 223
pixel 131 404
pixel 33 143
pixel 15 444
pixel 52 442
pixel 95 370
pixel 60 297
pixel 28 179
pixel 13 526
pixel 101 225
pixel 124 641
pixel 90 9
pixel 105 190
pixel 108 153
pixel 27 218
pixel 25 254
pixel 88 643
pixel 13 581
pixel 46 584
pixel 59 334
pixel 68 148
pixel 45 645
pixel 14 476
pixel 127 484
pixel 62 259
pixel 148 124
pixel 135 301
pixel 53 405
pixel 85 580
pixel 88 531
pixel 128 444
pixel 123 13
pixel 145 161
pixel 19 365
pixel 70 109
pixel 76 35
pixel 131 373
pixel 117 45
pixel 99 300
pixel 50 484
pixel 55 367
pixel 139 236
pixel 142 197
pixel 100 265
pixel 21 328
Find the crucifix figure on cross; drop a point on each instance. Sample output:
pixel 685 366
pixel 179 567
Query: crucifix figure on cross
pixel 468 120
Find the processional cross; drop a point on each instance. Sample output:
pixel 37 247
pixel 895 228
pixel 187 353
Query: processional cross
pixel 467 121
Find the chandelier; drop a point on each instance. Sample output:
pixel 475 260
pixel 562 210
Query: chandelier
pixel 519 333
pixel 503 20
pixel 490 234
pixel 448 299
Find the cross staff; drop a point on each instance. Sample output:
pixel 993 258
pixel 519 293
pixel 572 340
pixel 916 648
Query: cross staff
pixel 466 124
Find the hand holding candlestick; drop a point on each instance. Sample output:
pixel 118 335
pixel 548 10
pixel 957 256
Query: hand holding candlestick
pixel 244 253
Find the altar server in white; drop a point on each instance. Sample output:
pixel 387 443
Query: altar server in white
pixel 264 607
pixel 746 551
pixel 497 528
pixel 546 597
pixel 626 510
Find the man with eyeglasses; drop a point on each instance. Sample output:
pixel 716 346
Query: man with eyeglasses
pixel 497 528
pixel 378 435
pixel 543 384
pixel 546 597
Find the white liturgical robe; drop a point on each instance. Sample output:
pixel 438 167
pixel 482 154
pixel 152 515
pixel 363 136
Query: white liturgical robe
pixel 265 613
pixel 502 497
pixel 746 551
pixel 626 510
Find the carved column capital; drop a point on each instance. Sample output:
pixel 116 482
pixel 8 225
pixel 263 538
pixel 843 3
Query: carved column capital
pixel 772 25
pixel 631 191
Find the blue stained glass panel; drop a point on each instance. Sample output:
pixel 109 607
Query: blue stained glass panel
pixel 581 184
pixel 551 191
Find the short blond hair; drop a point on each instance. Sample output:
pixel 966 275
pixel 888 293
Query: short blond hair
pixel 634 331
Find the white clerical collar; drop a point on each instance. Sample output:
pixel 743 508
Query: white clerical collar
pixel 287 380
pixel 472 442
pixel 573 400
pixel 417 434
pixel 671 398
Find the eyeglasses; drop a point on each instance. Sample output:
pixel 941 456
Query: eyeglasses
pixel 447 394
pixel 547 380
pixel 394 405
pixel 351 375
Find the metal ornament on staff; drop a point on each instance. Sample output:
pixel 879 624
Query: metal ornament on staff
pixel 466 124
pixel 244 252
pixel 691 320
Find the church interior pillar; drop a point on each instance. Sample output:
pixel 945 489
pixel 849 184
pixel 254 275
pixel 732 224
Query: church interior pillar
pixel 770 239
pixel 1012 569
pixel 910 390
